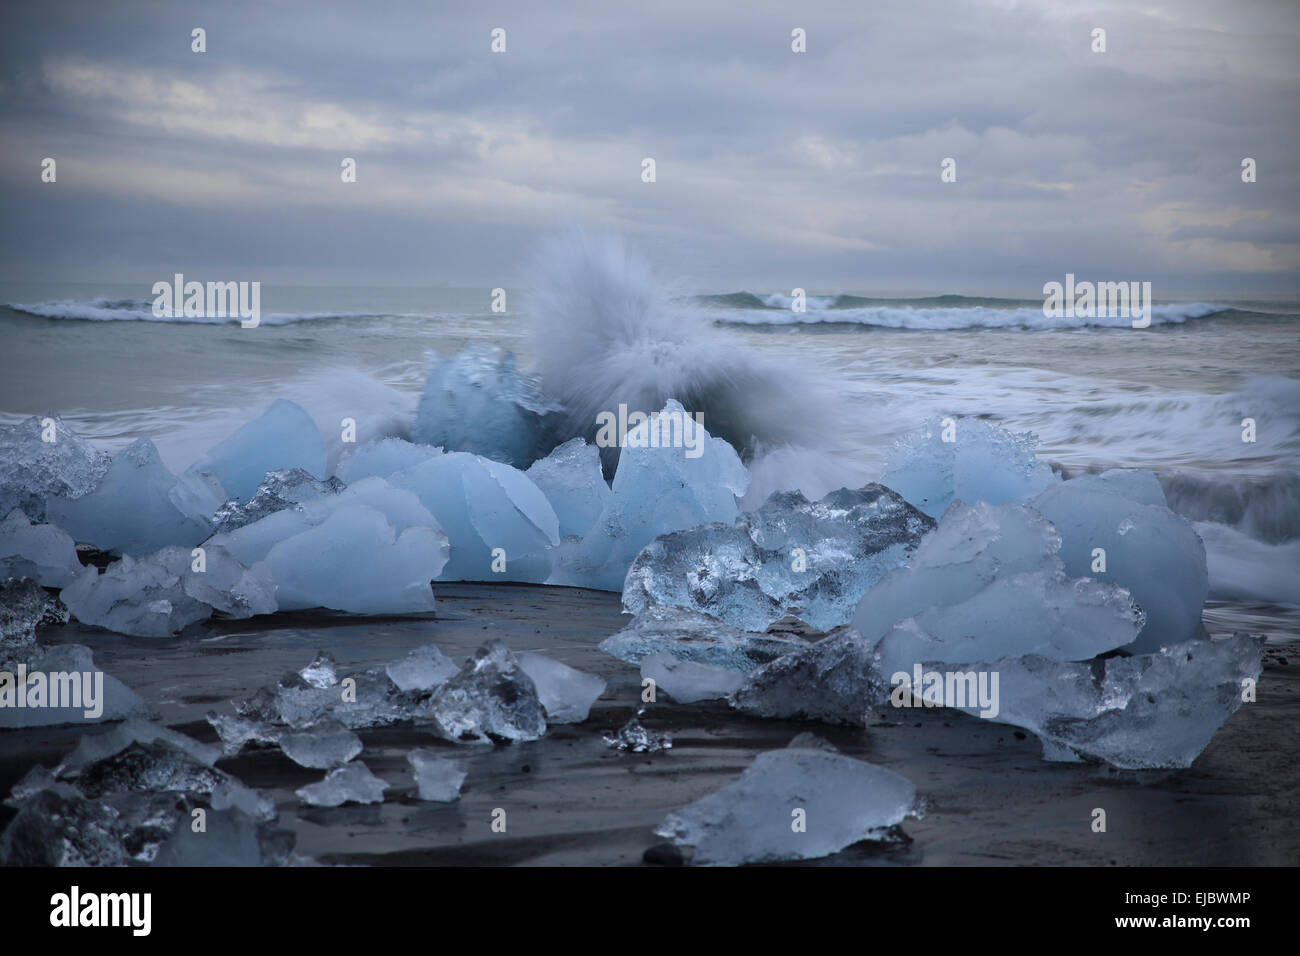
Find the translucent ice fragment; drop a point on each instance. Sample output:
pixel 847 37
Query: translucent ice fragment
pixel 322 745
pixel 437 778
pixel 351 783
pixel 571 478
pixel 63 686
pixel 422 669
pixel 284 436
pixel 277 491
pixel 491 697
pixel 634 737
pixel 837 680
pixel 688 681
pixel 40 458
pixel 565 692
pixel 42 552
pixel 692 636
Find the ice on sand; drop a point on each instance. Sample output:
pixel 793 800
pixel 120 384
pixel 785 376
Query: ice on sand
pixel 657 489
pixel 692 636
pixel 24 605
pixel 635 738
pixel 500 525
pixel 113 699
pixel 813 560
pixel 794 804
pixel 277 491
pixel 836 680
pixel 33 468
pixel 571 478
pixel 322 671
pixel 160 594
pixel 565 692
pixel 988 583
pixel 284 436
pixel 491 698
pixel 139 506
pixel 1145 711
pixel 1152 552
pixel 322 745
pixel 968 460
pixel 351 783
pixel 42 552
pixel 95 747
pixel 422 669
pixel 437 778
pixel 687 681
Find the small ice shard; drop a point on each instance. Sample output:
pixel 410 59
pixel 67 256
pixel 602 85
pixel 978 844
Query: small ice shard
pixel 794 804
pixel 351 783
pixel 160 594
pixel 499 524
pixel 365 699
pixel 478 402
pixel 687 681
pixel 40 458
pixel 64 673
pixel 836 680
pixel 565 692
pixel 383 457
pixel 229 838
pixel 988 583
pixel 813 560
pixel 491 697
pixel 155 765
pixel 1146 711
pixel 1152 552
pixel 321 745
pixel 56 827
pixel 42 552
pixel 968 460
pixel 634 737
pixel 282 437
pixel 321 672
pixel 437 778
pixel 135 509
pixel 255 803
pixel 422 669
pixel 571 478
pixel 277 491
pixel 237 732
pixel 692 636
pixel 95 747
pixel 671 475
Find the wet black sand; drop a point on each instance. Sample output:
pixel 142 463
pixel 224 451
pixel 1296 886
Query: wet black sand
pixel 571 800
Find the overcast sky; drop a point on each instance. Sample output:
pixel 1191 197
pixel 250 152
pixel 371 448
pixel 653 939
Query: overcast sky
pixel 774 169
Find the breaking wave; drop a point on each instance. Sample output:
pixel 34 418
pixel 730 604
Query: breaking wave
pixel 141 310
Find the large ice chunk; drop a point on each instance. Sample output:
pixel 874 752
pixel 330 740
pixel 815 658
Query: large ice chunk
pixel 566 693
pixel 965 459
pixel 500 525
pixel 277 491
pixel 43 457
pixel 687 681
pixel 571 478
pixel 813 560
pixel 988 583
pixel 692 636
pixel 671 475
pixel 1154 553
pixel 42 552
pixel 491 698
pixel 836 679
pixel 478 402
pixel 138 507
pixel 284 436
pixel 839 800
pixel 382 458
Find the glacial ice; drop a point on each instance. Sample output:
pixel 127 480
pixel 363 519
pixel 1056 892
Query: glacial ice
pixel 571 478
pixel 983 462
pixel 351 783
pixel 838 800
pixel 382 458
pixel 565 692
pixel 32 469
pixel 478 402
pixel 635 738
pixel 284 436
pixel 485 506
pixel 139 506
pixel 365 699
pixel 25 605
pixel 692 636
pixel 836 680
pixel 59 827
pixel 229 838
pixel 790 557
pixel 150 766
pixel 322 671
pixel 687 681
pixel 1154 553
pixel 656 490
pixel 92 748
pixel 422 669
pixel 491 697
pixel 277 491
pixel 988 583
pixel 160 594
pixel 322 745
pixel 114 700
pixel 237 732
pixel 42 552
pixel 437 778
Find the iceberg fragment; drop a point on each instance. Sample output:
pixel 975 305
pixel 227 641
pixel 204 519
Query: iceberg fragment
pixel 687 681
pixel 422 669
pixel 571 478
pixel 42 458
pixel 282 437
pixel 635 738
pixel 322 745
pixel 437 778
pixel 66 673
pixel 492 697
pixel 836 680
pixel 277 491
pixel 42 552
pixel 692 636
pixel 351 783
pixel 566 693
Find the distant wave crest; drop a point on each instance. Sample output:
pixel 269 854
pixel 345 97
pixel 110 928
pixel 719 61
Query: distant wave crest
pixel 141 310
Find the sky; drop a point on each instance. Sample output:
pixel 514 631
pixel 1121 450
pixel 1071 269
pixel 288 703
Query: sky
pixel 773 169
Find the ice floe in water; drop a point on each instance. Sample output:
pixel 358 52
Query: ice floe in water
pixel 571 478
pixel 41 458
pixel 837 680
pixel 813 560
pixel 693 636
pixel 351 783
pixel 688 681
pixel 282 437
pixel 492 698
pixel 798 803
pixel 566 693
pixel 437 779
pixel 42 552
